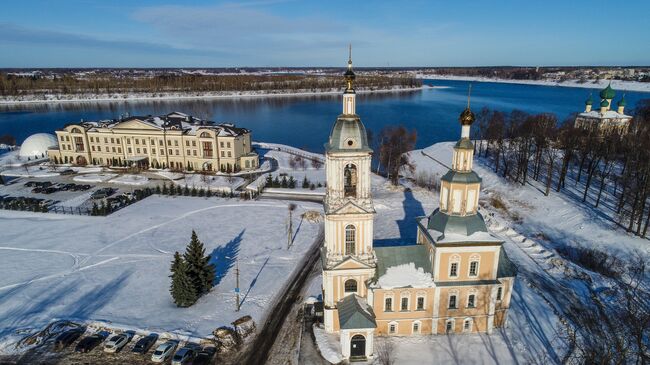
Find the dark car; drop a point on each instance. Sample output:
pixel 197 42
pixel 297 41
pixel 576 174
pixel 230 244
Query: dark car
pixel 67 172
pixel 50 190
pixel 144 344
pixel 44 184
pixel 204 356
pixel 88 343
pixel 68 337
pixel 85 187
pixel 67 187
pixel 37 189
pixel 30 184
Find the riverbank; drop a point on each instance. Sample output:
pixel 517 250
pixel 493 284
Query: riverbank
pixel 591 84
pixel 119 97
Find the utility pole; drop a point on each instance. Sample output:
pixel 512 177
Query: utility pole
pixel 291 207
pixel 237 288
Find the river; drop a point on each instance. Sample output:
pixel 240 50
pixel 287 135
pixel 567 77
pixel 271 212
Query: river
pixel 306 121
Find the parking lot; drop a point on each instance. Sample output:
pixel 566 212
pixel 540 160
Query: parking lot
pixel 86 346
pixel 63 195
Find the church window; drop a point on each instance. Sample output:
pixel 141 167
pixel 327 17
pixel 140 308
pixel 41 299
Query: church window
pixel 392 328
pixel 351 286
pixel 473 268
pixel 499 292
pixel 350 239
pixel 471 301
pixel 467 325
pixel 420 303
pixel 388 305
pixel 416 327
pixel 449 326
pixel 405 304
pixel 453 269
pixel 452 301
pixel 350 179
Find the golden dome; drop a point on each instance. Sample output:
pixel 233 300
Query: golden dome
pixel 466 117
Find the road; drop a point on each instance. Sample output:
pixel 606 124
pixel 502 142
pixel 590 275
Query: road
pixel 258 351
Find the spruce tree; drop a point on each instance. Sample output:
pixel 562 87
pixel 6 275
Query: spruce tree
pixel 292 182
pixel 285 183
pixel 182 289
pixel 164 189
pixel 305 183
pixel 199 268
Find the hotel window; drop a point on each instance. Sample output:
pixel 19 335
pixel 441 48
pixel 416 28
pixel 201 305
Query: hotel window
pixel 392 328
pixel 99 148
pixel 170 152
pixel 160 142
pixel 449 326
pixel 187 143
pixel 137 150
pixel 388 305
pixel 228 144
pixel 144 150
pixel 499 292
pixel 194 152
pixel 177 153
pixel 188 153
pixel 119 150
pixel 112 140
pixel 193 143
pixel 223 154
pixel 176 143
pixel 105 139
pixel 130 150
pixel 93 148
pixel 67 138
pixel 128 141
pixel 113 149
pixel 350 239
pixel 221 144
pixel 420 303
pixel 162 151
pixel 137 141
pixel 91 139
pixel 405 304
pixel 62 139
pixel 207 149
pixel 471 301
pixel 452 301
pixel 229 154
pixel 152 142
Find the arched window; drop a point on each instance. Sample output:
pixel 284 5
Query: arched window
pixel 351 286
pixel 75 130
pixel 350 239
pixel 205 135
pixel 467 325
pixel 474 265
pixel 350 180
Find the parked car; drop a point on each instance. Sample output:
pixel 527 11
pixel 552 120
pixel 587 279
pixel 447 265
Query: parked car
pixel 183 356
pixel 204 356
pixel 68 337
pixel 102 193
pixel 90 342
pixel 49 190
pixel 85 187
pixel 144 344
pixel 164 351
pixel 30 184
pixel 67 172
pixel 117 342
pixel 129 195
pixel 37 190
pixel 67 187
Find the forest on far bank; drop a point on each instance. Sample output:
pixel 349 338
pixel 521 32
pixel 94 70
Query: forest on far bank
pixel 107 83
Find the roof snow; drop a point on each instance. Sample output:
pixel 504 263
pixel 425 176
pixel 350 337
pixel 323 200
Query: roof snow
pixel 405 275
pixel 610 114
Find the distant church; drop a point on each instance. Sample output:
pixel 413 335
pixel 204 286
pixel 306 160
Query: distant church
pixel 456 278
pixel 605 119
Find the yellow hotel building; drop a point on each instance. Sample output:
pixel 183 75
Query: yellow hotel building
pixel 176 141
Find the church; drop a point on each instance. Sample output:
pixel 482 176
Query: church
pixel 605 119
pixel 456 277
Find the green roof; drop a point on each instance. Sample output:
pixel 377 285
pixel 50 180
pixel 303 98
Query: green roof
pixel 604 103
pixel 398 255
pixel 464 225
pixel 348 128
pixel 608 92
pixel 464 143
pixel 589 101
pixel 622 101
pixel 461 177
pixel 506 268
pixel 355 313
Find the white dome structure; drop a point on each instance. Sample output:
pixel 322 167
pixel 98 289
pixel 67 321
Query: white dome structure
pixel 37 145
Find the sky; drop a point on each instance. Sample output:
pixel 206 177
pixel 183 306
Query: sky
pixel 276 33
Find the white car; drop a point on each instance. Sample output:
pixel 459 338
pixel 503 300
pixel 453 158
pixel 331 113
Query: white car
pixel 164 351
pixel 116 343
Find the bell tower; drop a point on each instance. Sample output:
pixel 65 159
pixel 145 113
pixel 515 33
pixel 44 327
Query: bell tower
pixel 348 255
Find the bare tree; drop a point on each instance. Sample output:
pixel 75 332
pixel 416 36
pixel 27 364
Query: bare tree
pixel 396 142
pixel 385 349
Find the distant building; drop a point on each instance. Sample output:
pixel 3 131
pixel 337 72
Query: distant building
pixel 456 278
pixel 604 119
pixel 176 141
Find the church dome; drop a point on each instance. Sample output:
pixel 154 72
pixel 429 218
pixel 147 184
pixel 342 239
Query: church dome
pixel 466 117
pixel 348 134
pixel 608 92
pixel 458 225
pixel 604 104
pixel 622 102
pixel 589 101
pixel 37 145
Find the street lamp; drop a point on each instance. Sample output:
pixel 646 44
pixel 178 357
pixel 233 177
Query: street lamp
pixel 237 275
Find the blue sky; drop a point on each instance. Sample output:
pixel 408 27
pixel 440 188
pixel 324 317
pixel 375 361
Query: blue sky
pixel 201 33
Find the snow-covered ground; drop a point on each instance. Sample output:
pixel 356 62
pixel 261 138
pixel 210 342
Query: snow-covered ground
pixel 199 181
pixel 590 84
pixel 282 155
pixel 115 269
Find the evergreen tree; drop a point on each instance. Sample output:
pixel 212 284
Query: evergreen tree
pixel 158 189
pixel 186 190
pixel 199 268
pixel 292 182
pixel 276 182
pixel 194 192
pixel 164 189
pixel 285 183
pixel 269 180
pixel 95 210
pixel 202 192
pixel 179 190
pixel 182 289
pixel 208 193
pixel 305 183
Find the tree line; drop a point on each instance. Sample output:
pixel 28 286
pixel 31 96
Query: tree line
pixel 107 83
pixel 600 164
